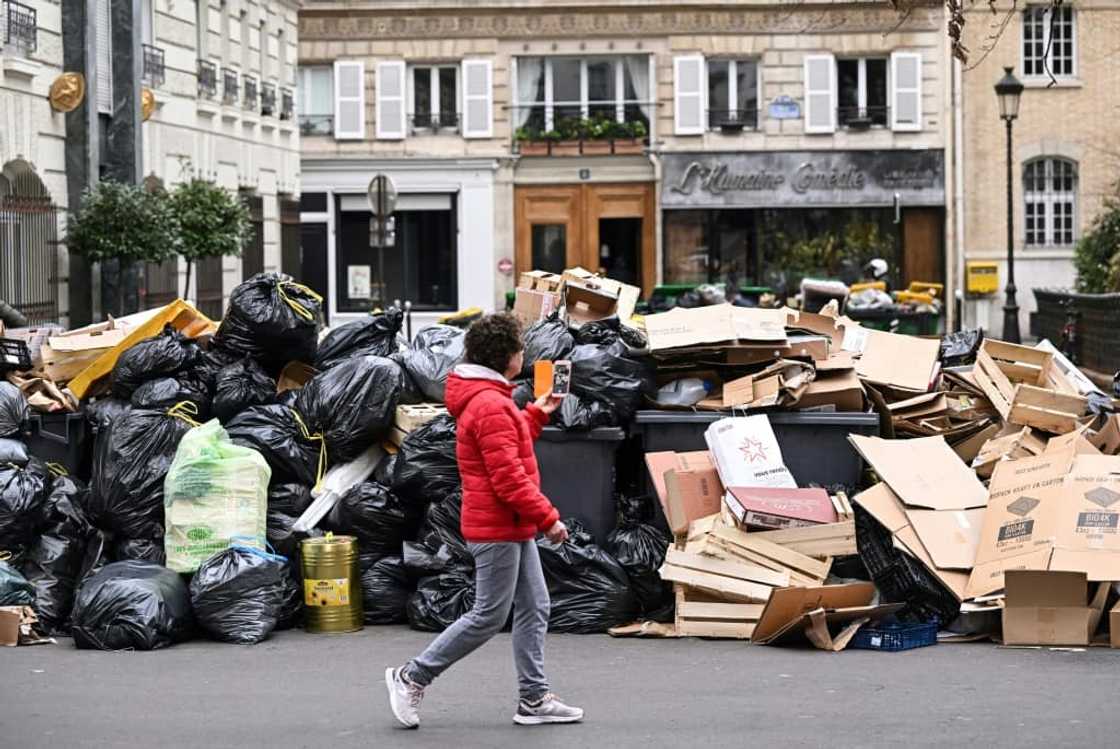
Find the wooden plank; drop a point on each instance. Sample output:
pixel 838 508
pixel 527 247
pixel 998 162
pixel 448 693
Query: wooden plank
pixel 786 557
pixel 1047 421
pixel 734 569
pixel 747 612
pixel 1050 400
pixel 993 382
pixel 796 578
pixel 1015 352
pixel 725 630
pixel 824 532
pixel 739 590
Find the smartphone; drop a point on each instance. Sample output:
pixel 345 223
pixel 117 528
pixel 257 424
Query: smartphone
pixel 561 378
pixel 542 377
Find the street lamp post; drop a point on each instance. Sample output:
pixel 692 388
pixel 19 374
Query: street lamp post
pixel 1008 91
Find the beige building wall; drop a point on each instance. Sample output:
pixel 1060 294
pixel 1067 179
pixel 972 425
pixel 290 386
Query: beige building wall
pixel 1077 118
pixel 30 130
pixel 779 34
pixel 189 135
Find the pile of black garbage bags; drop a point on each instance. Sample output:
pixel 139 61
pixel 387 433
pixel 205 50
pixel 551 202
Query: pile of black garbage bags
pixel 87 551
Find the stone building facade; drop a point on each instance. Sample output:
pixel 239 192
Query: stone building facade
pixel 754 120
pixel 1066 143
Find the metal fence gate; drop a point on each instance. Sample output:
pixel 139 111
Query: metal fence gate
pixel 29 250
pixel 252 259
pixel 210 287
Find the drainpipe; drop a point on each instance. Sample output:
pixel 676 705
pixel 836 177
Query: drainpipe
pixel 958 193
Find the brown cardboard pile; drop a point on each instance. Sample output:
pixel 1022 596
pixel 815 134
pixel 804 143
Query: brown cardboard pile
pixel 580 295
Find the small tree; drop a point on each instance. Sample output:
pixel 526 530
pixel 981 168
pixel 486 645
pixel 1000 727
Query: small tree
pixel 124 222
pixel 211 221
pixel 1097 257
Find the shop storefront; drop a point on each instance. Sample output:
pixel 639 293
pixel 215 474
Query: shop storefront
pixel 437 260
pixel 772 218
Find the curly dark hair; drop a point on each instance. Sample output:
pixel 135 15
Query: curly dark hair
pixel 493 340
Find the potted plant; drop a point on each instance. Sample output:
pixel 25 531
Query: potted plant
pixel 565 138
pixel 211 221
pixel 530 142
pixel 630 137
pixel 596 134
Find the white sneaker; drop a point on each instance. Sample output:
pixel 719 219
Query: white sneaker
pixel 404 698
pixel 548 710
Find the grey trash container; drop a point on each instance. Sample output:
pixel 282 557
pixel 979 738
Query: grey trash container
pixel 577 475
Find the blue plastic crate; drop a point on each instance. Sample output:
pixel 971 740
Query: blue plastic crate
pixel 894 637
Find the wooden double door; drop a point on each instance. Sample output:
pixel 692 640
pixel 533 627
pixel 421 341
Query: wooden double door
pixel 606 228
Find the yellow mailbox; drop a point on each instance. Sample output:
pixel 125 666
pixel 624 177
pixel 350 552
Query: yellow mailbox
pixel 981 277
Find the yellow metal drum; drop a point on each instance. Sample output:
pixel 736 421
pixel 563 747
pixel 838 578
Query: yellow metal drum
pixel 332 584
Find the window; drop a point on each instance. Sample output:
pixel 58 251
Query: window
pixel 861 92
pixel 1050 202
pixel 435 98
pixel 732 94
pixel 552 91
pixel 316 100
pixel 709 246
pixel 1048 41
pixel 20 26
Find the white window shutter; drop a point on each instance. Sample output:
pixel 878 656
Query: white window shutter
pixel 390 100
pixel 820 94
pixel 349 100
pixel 478 99
pixel 688 95
pixel 104 58
pixel 906 93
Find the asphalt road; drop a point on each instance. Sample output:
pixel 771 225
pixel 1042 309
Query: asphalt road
pixel 301 690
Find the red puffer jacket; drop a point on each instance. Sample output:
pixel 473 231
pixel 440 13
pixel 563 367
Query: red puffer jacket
pixel 502 498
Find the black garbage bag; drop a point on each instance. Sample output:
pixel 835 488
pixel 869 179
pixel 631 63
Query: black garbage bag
pixel 440 600
pixel 1100 404
pixel 23 492
pixel 290 499
pixel 546 340
pixel 383 473
pixel 523 393
pixel 959 348
pixel 272 319
pixel 386 586
pixel 430 358
pixel 640 546
pixel 580 414
pixel 97 556
pixel 422 561
pixel 278 433
pixel 104 411
pixel 15 590
pixel 129 467
pixel 237 594
pixel 13 452
pixel 287 398
pixel 442 527
pixel 590 590
pixel 281 537
pixel 140 549
pixel 375 335
pixel 352 404
pixel 239 386
pixel 291 597
pixel 166 392
pixel 426 468
pixel 375 516
pixel 211 363
pixel 608 374
pixel 607 331
pixel 166 355
pixel 13 409
pixel 132 604
pixel 53 563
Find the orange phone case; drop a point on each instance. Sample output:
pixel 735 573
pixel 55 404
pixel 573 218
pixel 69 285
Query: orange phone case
pixel 542 377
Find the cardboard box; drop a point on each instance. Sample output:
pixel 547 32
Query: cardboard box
pixel 782 383
pixel 901 362
pixel 687 485
pixel 586 303
pixel 530 306
pixel 760 508
pixel 815 348
pixel 1054 511
pixel 625 295
pixel 885 506
pixel 294 376
pixel 1050 608
pixel 924 472
pixel 815 612
pixel 833 390
pixel 1027 388
pixel 700 327
pixel 539 280
pixel 1114 626
pixel 17 627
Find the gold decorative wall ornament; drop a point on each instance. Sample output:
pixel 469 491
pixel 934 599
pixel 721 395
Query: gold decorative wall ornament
pixel 147 103
pixel 67 92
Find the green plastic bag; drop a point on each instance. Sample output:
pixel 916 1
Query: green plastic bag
pixel 14 588
pixel 215 493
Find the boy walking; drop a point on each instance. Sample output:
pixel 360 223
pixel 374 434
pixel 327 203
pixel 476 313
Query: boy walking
pixel 503 511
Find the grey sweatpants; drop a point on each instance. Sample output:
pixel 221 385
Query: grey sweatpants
pixel 507 575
